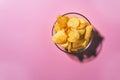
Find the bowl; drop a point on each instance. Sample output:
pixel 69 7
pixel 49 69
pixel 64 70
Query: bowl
pixel 71 14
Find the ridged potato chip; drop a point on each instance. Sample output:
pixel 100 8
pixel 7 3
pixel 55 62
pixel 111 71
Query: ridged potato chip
pixel 82 26
pixel 77 44
pixel 65 45
pixel 69 47
pixel 57 27
pixel 88 32
pixel 60 37
pixel 82 31
pixel 83 23
pixel 82 20
pixel 62 20
pixel 73 50
pixel 73 22
pixel 73 35
pixel 85 43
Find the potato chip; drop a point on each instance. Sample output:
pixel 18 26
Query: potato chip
pixel 73 35
pixel 83 23
pixel 87 23
pixel 82 31
pixel 85 43
pixel 60 37
pixel 88 32
pixel 82 20
pixel 73 50
pixel 73 22
pixel 82 26
pixel 64 45
pixel 69 47
pixel 57 27
pixel 77 44
pixel 62 20
pixel 66 29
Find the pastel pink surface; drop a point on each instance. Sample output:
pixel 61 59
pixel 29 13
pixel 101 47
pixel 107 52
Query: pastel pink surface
pixel 26 49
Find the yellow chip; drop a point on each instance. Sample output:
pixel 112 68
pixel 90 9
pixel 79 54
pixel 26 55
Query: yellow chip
pixel 88 32
pixel 64 45
pixel 73 49
pixel 77 44
pixel 82 20
pixel 73 22
pixel 62 20
pixel 66 30
pixel 73 35
pixel 69 47
pixel 83 23
pixel 85 43
pixel 57 27
pixel 87 23
pixel 82 26
pixel 60 37
pixel 63 25
pixel 82 31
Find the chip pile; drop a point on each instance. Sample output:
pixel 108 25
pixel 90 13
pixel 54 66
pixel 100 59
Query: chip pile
pixel 72 33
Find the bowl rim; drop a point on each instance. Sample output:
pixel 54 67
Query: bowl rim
pixel 90 41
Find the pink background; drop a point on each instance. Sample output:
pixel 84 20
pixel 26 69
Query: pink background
pixel 26 49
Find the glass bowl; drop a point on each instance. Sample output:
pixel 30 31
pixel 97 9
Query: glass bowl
pixel 71 14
